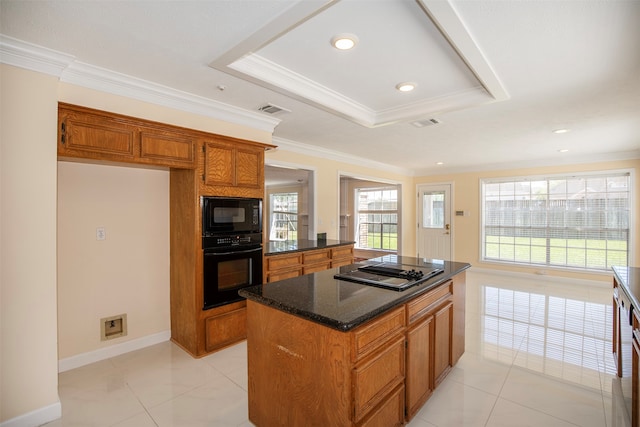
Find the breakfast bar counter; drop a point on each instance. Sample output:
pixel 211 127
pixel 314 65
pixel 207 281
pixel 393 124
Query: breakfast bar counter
pixel 323 351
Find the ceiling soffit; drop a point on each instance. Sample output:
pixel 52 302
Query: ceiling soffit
pixel 428 42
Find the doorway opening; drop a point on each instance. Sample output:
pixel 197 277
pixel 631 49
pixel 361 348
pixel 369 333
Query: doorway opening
pixel 288 203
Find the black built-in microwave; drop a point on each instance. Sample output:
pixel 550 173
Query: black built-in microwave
pixel 230 215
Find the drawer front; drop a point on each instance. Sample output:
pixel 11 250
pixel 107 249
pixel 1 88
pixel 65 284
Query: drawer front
pixel 368 337
pixel 312 257
pixel 377 376
pixel 342 252
pixel 283 261
pixel 341 262
pixel 283 274
pixel 390 413
pixel 419 307
pixel 316 267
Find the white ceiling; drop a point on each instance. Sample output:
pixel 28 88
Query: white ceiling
pixel 499 76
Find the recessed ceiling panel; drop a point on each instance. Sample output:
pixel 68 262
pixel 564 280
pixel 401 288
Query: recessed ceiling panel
pixel 421 42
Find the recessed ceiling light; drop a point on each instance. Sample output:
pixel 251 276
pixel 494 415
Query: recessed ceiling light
pixel 439 163
pixel 344 41
pixel 406 86
pixel 563 130
pixel 564 150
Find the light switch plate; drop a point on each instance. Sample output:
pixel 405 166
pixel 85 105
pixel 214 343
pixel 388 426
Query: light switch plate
pixel 101 234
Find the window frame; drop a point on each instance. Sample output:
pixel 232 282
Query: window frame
pixel 396 212
pixel 272 212
pixel 541 267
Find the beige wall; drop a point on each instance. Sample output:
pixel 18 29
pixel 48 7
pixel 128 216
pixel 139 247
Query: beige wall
pixel 28 350
pixel 128 272
pixel 328 192
pixel 466 230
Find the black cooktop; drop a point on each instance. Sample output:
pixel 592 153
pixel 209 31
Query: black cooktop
pixel 388 275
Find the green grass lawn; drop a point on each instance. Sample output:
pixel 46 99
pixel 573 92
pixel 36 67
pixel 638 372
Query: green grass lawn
pixel 596 254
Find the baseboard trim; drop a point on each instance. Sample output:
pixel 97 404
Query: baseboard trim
pixel 111 351
pixel 38 417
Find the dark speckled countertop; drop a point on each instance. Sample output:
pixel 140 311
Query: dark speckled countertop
pixel 344 305
pixel 281 247
pixel 629 279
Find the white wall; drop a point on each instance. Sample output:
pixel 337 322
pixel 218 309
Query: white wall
pixel 28 356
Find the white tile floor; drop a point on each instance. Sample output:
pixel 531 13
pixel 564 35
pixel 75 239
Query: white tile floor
pixel 538 353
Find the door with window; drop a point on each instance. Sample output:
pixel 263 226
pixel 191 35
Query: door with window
pixel 434 221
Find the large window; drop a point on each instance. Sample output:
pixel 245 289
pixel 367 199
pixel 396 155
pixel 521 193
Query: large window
pixel 377 218
pixel 579 221
pixel 284 216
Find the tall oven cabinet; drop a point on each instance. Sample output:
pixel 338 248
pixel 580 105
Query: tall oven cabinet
pixel 226 167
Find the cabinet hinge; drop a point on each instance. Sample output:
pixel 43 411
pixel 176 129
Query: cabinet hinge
pixel 63 133
pixel 202 177
pixel 204 148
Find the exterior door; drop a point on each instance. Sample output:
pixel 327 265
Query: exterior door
pixel 434 221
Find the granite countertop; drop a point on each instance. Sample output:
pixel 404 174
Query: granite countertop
pixel 629 280
pixel 340 304
pixel 281 247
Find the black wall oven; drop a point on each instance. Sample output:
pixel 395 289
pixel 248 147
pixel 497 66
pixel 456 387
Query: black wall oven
pixel 232 248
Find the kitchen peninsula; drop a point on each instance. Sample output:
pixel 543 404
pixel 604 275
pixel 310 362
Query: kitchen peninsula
pixel 323 351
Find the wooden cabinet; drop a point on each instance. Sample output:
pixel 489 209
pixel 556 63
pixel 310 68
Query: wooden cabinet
pixel 229 165
pixel 342 255
pixel 294 264
pixel 635 372
pixel 91 134
pixel 378 374
pixel 341 379
pixel 429 344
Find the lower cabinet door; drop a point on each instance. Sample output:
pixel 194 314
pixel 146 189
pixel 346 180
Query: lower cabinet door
pixel 375 377
pixel 442 350
pixel 390 413
pixel 225 329
pixel 419 376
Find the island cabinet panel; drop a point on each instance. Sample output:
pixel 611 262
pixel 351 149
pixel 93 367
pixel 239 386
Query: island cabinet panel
pixel 419 383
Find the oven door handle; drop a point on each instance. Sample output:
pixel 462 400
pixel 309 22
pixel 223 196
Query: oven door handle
pixel 234 252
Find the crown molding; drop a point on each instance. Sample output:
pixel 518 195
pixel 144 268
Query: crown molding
pixel 313 151
pixel 65 67
pixel 526 164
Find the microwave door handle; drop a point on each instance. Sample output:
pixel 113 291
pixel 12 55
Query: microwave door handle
pixel 235 252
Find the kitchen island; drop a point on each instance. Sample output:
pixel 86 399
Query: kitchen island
pixel 323 351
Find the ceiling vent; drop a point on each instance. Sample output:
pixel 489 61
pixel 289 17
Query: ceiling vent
pixel 273 109
pixel 426 122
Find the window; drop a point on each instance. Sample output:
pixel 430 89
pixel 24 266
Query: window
pixel 579 221
pixel 284 216
pixel 377 219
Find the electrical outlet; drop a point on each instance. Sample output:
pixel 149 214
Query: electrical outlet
pixel 113 327
pixel 101 233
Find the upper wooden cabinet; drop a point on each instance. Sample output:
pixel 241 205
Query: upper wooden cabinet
pixel 230 164
pixel 98 135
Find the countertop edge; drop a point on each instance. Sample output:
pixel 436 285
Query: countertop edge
pixel 342 326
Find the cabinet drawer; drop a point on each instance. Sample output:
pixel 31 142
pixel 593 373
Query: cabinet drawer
pixel 283 261
pixel 225 329
pixel 312 257
pixel 283 274
pixel 342 252
pixel 421 306
pixel 390 413
pixel 376 377
pixel 341 262
pixel 368 337
pixel 308 269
